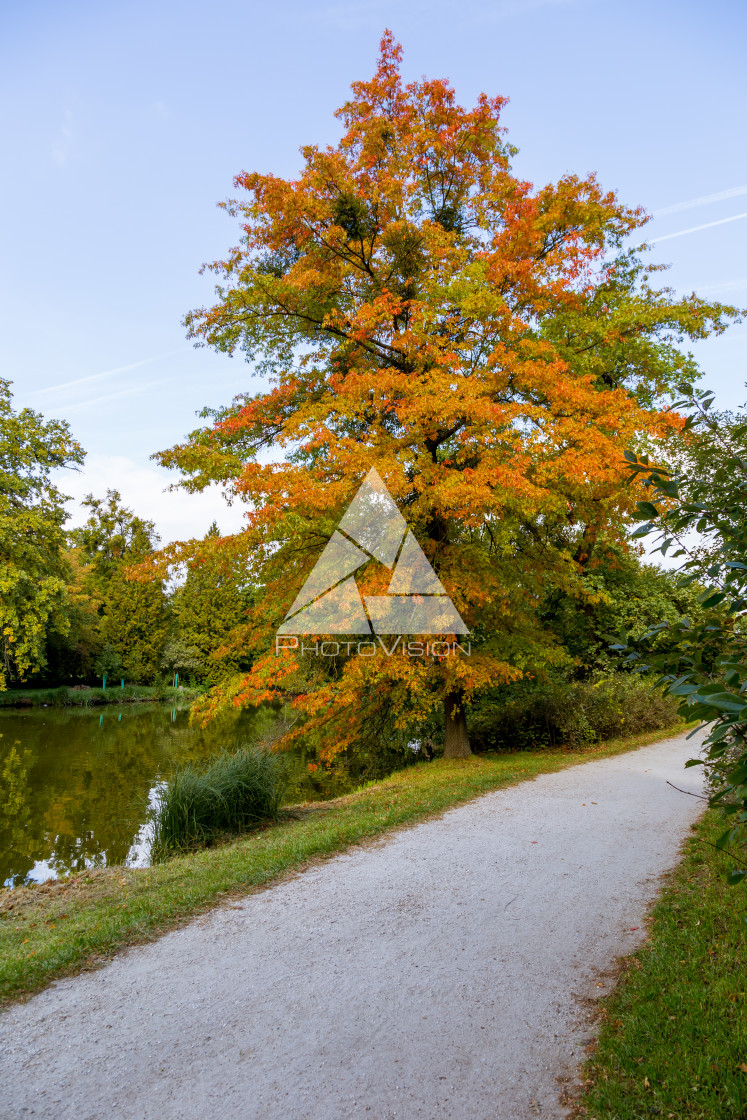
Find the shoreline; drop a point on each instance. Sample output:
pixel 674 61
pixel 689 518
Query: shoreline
pixel 85 696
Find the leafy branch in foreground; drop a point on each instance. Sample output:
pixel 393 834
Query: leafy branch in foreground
pixel 698 508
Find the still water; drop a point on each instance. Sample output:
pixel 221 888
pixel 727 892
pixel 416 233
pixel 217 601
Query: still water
pixel 76 783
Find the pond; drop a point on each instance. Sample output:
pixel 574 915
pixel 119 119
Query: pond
pixel 76 783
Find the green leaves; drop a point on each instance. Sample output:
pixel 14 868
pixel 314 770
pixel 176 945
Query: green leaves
pixel 720 701
pixel 32 515
pixel 132 622
pixel 712 598
pixel 705 665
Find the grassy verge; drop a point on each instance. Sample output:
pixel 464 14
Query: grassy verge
pixel 674 1037
pixel 62 926
pixel 65 697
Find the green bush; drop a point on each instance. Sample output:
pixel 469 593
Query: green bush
pixel 234 792
pixel 533 714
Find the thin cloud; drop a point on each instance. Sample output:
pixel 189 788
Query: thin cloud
pixel 61 145
pixel 177 514
pixel 519 7
pixel 131 391
pixel 723 286
pixel 101 376
pixel 704 200
pixel 356 14
pixel 695 229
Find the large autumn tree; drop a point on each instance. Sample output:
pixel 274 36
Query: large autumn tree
pixel 490 348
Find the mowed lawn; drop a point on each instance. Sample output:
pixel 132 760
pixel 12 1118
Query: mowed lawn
pixel 674 1034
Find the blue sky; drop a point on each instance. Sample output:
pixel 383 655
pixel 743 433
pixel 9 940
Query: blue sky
pixel 124 124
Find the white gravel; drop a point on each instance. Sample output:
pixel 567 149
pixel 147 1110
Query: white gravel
pixel 442 973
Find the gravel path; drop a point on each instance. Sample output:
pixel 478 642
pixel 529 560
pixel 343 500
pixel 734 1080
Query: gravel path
pixel 444 973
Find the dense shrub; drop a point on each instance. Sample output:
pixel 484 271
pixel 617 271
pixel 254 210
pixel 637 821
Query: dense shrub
pixel 234 792
pixel 534 714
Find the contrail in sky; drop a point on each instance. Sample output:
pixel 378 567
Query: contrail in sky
pixel 106 373
pixel 694 229
pixel 113 396
pixel 704 200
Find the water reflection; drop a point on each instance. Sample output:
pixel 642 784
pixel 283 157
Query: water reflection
pixel 75 784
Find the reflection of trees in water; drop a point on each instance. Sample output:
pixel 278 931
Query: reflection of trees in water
pixel 74 786
pixel 17 835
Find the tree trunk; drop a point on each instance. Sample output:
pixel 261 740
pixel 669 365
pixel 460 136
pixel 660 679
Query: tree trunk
pixel 457 740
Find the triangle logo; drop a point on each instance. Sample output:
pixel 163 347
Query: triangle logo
pixel 372 528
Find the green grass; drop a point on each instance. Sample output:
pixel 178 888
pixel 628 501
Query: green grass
pixel 66 697
pixel 59 927
pixel 674 1037
pixel 231 794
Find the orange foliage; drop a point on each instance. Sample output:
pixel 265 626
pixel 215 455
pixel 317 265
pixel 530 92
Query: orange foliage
pixel 489 348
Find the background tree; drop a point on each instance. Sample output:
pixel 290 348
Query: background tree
pixel 488 347
pixel 621 593
pixel 112 535
pixel 32 539
pixel 210 607
pixel 71 656
pixel 133 614
pixel 108 663
pixel 135 624
pixel 178 657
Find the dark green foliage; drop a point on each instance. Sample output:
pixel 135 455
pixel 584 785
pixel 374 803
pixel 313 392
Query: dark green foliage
pixel 235 792
pixel 449 217
pixel 134 623
pixel 352 215
pixel 704 664
pixel 536 714
pixel 133 615
pixel 109 663
pixel 209 608
pixel 623 594
pixel 277 264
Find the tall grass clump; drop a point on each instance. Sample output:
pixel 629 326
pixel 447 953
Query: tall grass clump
pixel 232 793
